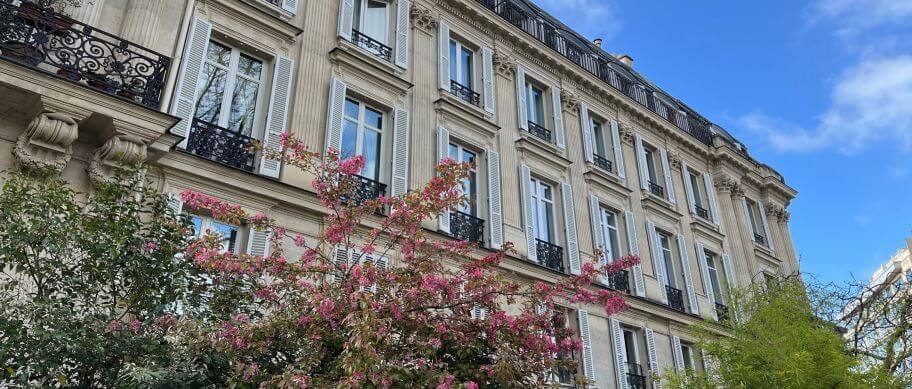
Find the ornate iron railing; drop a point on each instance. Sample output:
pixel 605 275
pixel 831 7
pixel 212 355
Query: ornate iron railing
pixel 549 255
pixel 635 377
pixel 365 189
pixel 465 93
pixel 56 44
pixel 221 145
pixel 619 281
pixel 721 312
pixel 675 298
pixel 656 189
pixel 760 239
pixel 372 45
pixel 593 60
pixel 466 227
pixel 601 162
pixel 540 132
pixel 701 212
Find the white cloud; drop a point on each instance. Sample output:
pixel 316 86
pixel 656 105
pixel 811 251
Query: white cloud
pixel 854 15
pixel 591 18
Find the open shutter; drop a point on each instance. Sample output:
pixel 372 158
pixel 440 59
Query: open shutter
pixel 443 55
pixel 258 242
pixel 658 263
pixel 184 103
pixel 346 12
pixel 525 180
pixel 616 145
pixel 641 162
pixel 278 115
pixel 334 111
pixel 586 126
pixel 400 152
pixel 290 6
pixel 479 312
pixel 707 283
pixel 747 219
pixel 711 195
pixel 558 114
pixel 617 340
pixel 573 254
pixel 522 115
pixel 443 151
pixel 729 272
pixel 669 184
pixel 403 10
pixel 598 241
pixel 677 352
pixel 639 284
pixel 688 278
pixel 487 80
pixel 588 364
pixel 766 227
pixel 688 188
pixel 495 199
pixel 653 355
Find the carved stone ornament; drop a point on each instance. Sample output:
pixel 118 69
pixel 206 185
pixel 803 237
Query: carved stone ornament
pixel 423 19
pixel 785 216
pixel 47 142
pixel 569 102
pixel 727 184
pixel 674 159
pixel 117 151
pixel 626 132
pixel 774 210
pixel 503 65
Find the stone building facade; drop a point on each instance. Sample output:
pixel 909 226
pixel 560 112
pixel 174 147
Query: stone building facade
pixel 574 149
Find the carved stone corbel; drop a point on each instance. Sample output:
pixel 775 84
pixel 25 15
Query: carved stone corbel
pixel 727 184
pixel 626 132
pixel 774 210
pixel 569 101
pixel 117 152
pixel 674 159
pixel 46 144
pixel 423 19
pixel 785 216
pixel 503 65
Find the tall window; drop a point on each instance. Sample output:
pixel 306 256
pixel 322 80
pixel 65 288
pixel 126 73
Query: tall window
pixel 229 88
pixel 462 64
pixel 371 18
pixel 598 138
pixel 611 236
pixel 651 168
pixel 755 220
pixel 687 354
pixel 362 130
pixel 535 104
pixel 542 210
pixel 668 257
pixel 631 356
pixel 714 277
pixel 228 234
pixel 699 189
pixel 562 374
pixel 469 185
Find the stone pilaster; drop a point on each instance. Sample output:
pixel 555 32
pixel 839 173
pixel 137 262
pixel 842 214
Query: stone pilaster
pixel 789 248
pixel 729 196
pixel 142 21
pixel 47 142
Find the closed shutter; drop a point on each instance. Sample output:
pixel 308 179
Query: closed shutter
pixel 558 115
pixel 688 188
pixel 381 263
pixel 729 272
pixel 443 55
pixel 400 152
pixel 598 240
pixel 766 227
pixel 346 12
pixel 522 116
pixel 677 352
pixel 588 364
pixel 586 126
pixel 334 111
pixel 747 219
pixel 487 80
pixel 290 6
pixel 573 254
pixel 403 10
pixel 525 178
pixel 184 103
pixel 688 278
pixel 711 196
pixel 277 123
pixel 641 162
pixel 707 282
pixel 653 356
pixel 495 199
pixel 258 242
pixel 617 340
pixel 443 151
pixel 639 284
pixel 669 184
pixel 658 263
pixel 479 312
pixel 618 153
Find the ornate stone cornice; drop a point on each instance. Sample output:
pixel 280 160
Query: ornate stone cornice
pixel 423 19
pixel 785 216
pixel 775 210
pixel 569 101
pixel 46 144
pixel 503 64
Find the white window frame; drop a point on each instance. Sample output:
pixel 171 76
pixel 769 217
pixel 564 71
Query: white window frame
pixel 715 280
pixel 530 86
pixel 636 347
pixel 460 154
pixel 207 223
pixel 651 167
pixel 457 64
pixel 612 249
pixel 541 204
pixel 700 193
pixel 361 18
pixel 362 127
pixel 231 81
pixel 755 219
pixel 667 256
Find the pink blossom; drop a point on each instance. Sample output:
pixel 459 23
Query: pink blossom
pixel 150 246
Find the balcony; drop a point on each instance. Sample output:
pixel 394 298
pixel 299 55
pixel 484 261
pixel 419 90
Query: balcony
pixel 466 227
pixel 656 189
pixel 722 312
pixel 540 132
pixel 675 298
pixel 221 145
pixel 372 45
pixel 57 45
pixel 465 93
pixel 602 162
pixel 619 281
pixel 703 213
pixel 364 189
pixel 549 255
pixel 760 239
pixel 635 377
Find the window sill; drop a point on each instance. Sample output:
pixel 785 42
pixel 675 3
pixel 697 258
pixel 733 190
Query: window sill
pixel 541 150
pixel 465 114
pixel 661 206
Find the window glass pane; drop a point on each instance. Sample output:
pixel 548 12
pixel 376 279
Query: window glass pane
pixel 598 138
pixel 250 66
pixel 351 109
pixel 349 139
pixel 453 62
pixel 375 21
pixel 243 105
pixel 218 53
pixel 629 347
pixel 697 190
pixel 371 151
pixel 197 225
pixel 466 60
pixel 211 93
pixel 228 235
pixel 373 118
pixel 548 221
pixel 356 18
pixel 454 152
pixel 650 166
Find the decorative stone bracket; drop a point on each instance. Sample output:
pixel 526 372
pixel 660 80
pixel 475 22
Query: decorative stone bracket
pixel 117 152
pixel 423 19
pixel 46 144
pixel 503 65
pixel 569 101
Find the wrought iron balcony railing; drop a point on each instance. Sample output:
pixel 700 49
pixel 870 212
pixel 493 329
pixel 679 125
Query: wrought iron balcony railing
pixel 619 281
pixel 465 93
pixel 602 162
pixel 55 44
pixel 721 311
pixel 701 212
pixel 635 377
pixel 759 238
pixel 539 131
pixel 372 45
pixel 221 145
pixel 549 255
pixel 365 189
pixel 675 298
pixel 466 227
pixel 656 189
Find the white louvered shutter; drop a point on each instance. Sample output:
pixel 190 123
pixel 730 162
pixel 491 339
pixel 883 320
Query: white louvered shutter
pixel 588 363
pixel 258 242
pixel 707 283
pixel 174 202
pixel 443 55
pixel 522 116
pixel 653 355
pixel 573 254
pixel 747 219
pixel 558 114
pixel 184 104
pixel 403 10
pixel 334 112
pixel 618 152
pixel 641 162
pixel 277 122
pixel 443 151
pixel 525 178
pixel 290 6
pixel 766 227
pixel 688 188
pixel 669 183
pixel 479 312
pixel 495 200
pixel 487 80
pixel 658 263
pixel 617 340
pixel 598 241
pixel 586 126
pixel 688 277
pixel 400 152
pixel 729 272
pixel 711 195
pixel 346 13
pixel 639 284
pixel 677 352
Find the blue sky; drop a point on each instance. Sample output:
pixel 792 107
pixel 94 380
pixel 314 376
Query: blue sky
pixel 820 90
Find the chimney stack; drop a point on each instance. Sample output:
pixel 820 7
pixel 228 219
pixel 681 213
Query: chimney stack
pixel 597 42
pixel 626 60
